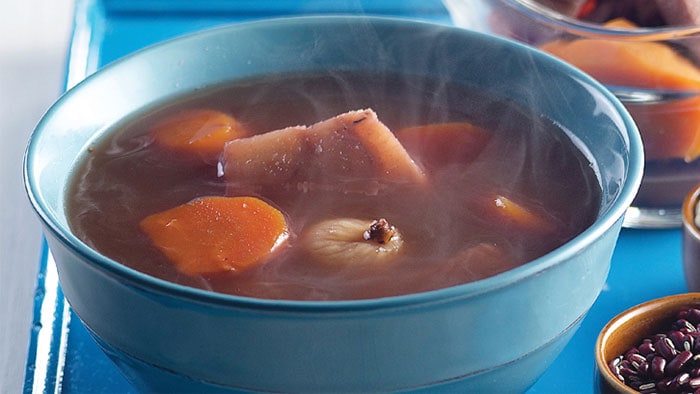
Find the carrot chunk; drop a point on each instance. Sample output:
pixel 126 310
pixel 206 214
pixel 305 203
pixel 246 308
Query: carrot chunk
pixel 632 63
pixel 518 214
pixel 437 145
pixel 210 235
pixel 669 130
pixel 200 131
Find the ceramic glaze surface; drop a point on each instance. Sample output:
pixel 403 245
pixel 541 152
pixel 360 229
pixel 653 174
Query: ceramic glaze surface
pixel 691 241
pixel 161 333
pixel 628 328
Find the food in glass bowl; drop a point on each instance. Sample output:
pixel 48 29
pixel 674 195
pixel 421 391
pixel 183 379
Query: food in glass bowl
pixel 646 53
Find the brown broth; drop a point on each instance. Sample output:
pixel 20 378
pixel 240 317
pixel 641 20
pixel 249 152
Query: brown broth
pixel 125 177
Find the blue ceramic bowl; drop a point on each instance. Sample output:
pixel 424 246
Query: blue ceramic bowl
pixel 500 333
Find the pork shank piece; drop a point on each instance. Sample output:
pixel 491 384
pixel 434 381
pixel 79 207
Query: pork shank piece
pixel 352 152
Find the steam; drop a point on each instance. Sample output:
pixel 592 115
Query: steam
pixel 405 91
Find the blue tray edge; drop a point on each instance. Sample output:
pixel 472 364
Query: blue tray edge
pixel 48 342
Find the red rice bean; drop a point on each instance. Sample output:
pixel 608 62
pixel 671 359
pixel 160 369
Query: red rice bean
pixel 666 362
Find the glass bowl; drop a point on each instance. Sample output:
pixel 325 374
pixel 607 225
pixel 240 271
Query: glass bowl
pixel 652 70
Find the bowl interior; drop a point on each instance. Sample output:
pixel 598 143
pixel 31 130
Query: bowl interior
pixel 597 122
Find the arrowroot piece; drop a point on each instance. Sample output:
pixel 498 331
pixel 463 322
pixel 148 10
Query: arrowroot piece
pixel 351 152
pixel 352 242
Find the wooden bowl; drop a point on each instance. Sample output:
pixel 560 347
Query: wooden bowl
pixel 627 330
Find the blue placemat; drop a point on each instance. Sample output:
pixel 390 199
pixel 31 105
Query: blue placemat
pixel 63 358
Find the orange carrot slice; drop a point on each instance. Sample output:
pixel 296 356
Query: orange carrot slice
pixel 210 235
pixel 670 130
pixel 437 145
pixel 521 214
pixel 631 63
pixel 201 131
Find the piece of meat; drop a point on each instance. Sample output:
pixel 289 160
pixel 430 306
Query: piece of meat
pixel 570 8
pixel 351 152
pixel 680 12
pixel 640 12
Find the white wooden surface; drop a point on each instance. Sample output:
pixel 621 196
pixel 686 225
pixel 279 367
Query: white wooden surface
pixel 34 38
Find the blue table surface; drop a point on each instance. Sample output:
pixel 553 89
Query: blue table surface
pixel 63 358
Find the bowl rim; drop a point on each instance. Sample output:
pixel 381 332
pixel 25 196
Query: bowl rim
pixel 604 222
pixel 577 27
pixel 689 212
pixel 670 302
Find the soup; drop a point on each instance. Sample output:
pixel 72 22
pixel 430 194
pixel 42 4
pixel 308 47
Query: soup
pixel 472 186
